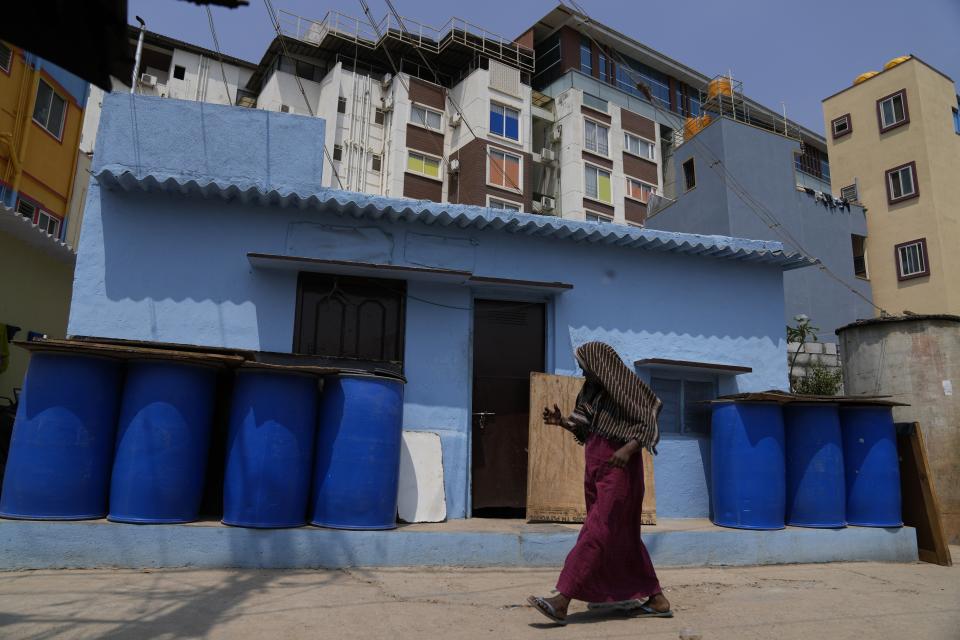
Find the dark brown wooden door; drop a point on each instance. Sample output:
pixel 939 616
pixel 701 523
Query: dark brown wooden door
pixel 508 344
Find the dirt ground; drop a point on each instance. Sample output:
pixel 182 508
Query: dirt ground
pixel 832 601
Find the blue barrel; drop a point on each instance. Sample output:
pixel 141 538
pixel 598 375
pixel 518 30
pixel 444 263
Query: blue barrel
pixel 357 466
pixel 816 493
pixel 748 465
pixel 62 446
pixel 872 466
pixel 162 442
pixel 273 419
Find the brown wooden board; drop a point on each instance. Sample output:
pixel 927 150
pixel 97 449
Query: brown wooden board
pixel 128 352
pixel 555 464
pixel 921 507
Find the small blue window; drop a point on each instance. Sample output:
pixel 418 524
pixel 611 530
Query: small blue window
pixel 956 120
pixel 504 121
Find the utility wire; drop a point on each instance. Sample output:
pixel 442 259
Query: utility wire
pixel 216 46
pixel 283 45
pixel 758 208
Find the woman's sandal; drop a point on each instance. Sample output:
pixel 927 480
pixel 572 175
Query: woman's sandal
pixel 544 607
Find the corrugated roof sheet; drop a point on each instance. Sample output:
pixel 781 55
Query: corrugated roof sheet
pixel 23 229
pixel 362 205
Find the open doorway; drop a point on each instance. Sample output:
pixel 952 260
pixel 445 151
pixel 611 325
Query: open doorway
pixel 509 342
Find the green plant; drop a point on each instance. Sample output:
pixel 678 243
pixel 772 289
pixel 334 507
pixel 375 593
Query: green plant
pixel 821 381
pixel 803 332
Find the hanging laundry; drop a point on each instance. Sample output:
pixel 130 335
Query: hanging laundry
pixel 810 192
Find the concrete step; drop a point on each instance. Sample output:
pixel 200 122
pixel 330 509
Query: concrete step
pixel 468 543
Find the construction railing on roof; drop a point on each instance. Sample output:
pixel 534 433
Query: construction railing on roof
pixel 432 39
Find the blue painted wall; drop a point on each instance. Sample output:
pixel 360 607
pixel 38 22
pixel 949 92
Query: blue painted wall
pixel 762 162
pixel 173 268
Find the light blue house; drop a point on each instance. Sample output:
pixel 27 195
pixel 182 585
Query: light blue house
pixel 206 225
pixel 766 167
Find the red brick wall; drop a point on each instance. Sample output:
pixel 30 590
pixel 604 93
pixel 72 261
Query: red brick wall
pixel 598 207
pixel 424 140
pixel 596 115
pixel 639 168
pixel 634 211
pixel 637 124
pixel 422 188
pixel 598 160
pixel 427 93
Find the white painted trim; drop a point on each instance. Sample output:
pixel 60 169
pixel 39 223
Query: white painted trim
pixel 503 200
pixel 519 140
pixel 406 165
pixel 443 118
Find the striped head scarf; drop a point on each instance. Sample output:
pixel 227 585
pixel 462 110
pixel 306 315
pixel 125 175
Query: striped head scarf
pixel 615 402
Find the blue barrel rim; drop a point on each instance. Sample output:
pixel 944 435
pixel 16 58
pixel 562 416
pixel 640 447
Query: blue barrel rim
pixel 152 359
pixel 243 524
pixel 364 376
pixel 876 525
pixel 134 520
pixel 17 516
pixel 351 527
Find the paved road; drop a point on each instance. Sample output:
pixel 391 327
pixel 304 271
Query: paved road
pixel 809 602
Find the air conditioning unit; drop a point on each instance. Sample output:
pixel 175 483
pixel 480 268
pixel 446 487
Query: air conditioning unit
pixel 548 155
pixel 557 133
pixel 454 166
pixel 547 203
pixel 148 80
pixel 455 120
pixel 388 103
pixel 387 79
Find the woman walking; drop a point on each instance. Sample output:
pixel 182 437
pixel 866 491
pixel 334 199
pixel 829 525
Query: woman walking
pixel 615 417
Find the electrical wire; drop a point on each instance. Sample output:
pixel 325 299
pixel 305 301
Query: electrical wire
pixel 276 27
pixel 216 46
pixel 758 208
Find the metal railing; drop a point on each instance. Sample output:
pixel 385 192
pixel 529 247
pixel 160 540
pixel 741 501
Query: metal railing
pixel 432 39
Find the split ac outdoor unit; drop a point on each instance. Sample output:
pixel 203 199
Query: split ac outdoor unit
pixel 387 79
pixel 454 166
pixel 388 103
pixel 547 155
pixel 148 80
pixel 548 203
pixel 456 119
pixel 557 133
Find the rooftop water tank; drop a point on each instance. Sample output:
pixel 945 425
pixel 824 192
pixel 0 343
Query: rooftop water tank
pixel 864 76
pixel 719 87
pixel 895 61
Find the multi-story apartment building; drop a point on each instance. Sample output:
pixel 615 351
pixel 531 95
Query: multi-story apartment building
pixel 552 122
pixel 415 111
pixel 41 113
pixel 894 140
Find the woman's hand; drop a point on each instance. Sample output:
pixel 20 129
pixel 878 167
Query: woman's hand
pixel 622 456
pixel 553 417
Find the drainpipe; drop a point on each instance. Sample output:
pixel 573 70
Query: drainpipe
pixel 136 61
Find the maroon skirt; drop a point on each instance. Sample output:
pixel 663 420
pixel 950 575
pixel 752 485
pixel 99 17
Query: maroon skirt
pixel 609 562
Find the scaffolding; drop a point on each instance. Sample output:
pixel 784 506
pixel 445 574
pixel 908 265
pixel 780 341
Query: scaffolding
pixel 455 33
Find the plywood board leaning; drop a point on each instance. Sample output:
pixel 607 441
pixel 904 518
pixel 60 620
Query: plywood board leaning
pixel 556 466
pixel 921 507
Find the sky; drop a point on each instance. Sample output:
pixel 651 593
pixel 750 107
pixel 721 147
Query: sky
pixel 796 53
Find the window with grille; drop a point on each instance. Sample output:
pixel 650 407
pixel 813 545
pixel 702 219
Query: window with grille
pixel 596 137
pixel 378 116
pixel 912 259
pixel 347 317
pixel 689 175
pixel 337 152
pixel 841 126
pixel 599 218
pixel 341 105
pixel 375 162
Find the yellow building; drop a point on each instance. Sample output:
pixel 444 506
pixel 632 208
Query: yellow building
pixel 893 140
pixel 41 116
